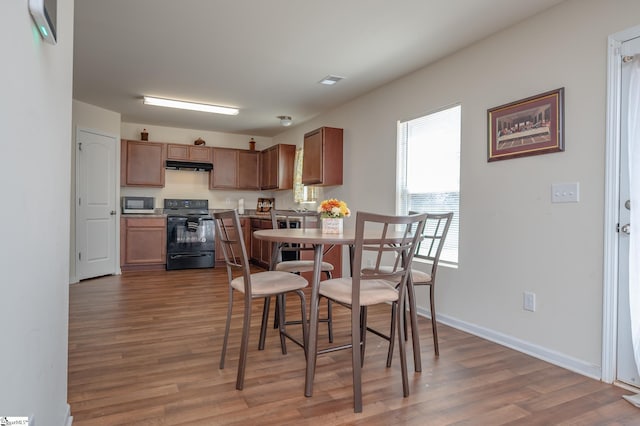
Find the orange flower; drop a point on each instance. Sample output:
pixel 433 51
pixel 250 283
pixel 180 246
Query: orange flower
pixel 333 208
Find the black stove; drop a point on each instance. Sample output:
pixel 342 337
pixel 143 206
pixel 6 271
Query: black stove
pixel 190 234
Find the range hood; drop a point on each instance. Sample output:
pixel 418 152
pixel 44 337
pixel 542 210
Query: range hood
pixel 188 165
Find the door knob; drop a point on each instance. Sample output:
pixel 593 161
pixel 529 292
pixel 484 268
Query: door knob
pixel 112 212
pixel 627 204
pixel 626 229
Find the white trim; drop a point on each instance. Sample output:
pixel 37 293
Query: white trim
pixel 553 357
pixel 612 184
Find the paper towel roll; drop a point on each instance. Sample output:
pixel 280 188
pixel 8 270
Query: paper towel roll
pixel 241 206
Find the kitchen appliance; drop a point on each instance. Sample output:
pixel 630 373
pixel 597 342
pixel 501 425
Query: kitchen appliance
pixel 188 165
pixel 289 255
pixel 138 205
pixel 190 234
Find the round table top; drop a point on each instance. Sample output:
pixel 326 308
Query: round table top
pixel 315 236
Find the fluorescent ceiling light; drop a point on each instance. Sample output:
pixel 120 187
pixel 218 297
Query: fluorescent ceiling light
pixel 330 80
pixel 148 100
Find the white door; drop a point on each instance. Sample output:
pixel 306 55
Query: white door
pixel 627 372
pixel 95 204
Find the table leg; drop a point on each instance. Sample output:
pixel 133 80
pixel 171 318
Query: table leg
pixel 312 352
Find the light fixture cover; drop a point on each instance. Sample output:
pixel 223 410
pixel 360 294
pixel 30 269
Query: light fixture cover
pixel 285 120
pixel 193 106
pixel 330 80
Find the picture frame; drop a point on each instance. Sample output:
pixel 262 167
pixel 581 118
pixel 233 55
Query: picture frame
pixel 530 126
pixel 265 205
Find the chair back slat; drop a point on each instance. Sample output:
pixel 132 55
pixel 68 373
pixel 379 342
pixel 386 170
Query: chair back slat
pixel 229 233
pixel 434 235
pixel 390 240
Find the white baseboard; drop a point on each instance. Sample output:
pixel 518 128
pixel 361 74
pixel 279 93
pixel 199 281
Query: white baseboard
pixel 69 418
pixel 548 355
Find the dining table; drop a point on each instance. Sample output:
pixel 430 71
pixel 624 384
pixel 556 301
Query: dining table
pixel 318 240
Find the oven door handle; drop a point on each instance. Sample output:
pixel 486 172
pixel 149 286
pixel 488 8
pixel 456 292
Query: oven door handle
pixel 181 256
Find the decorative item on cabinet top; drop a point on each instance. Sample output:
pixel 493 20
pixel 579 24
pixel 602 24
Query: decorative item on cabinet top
pixel 199 141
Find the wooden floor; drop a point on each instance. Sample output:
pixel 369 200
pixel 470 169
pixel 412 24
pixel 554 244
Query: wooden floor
pixel 144 350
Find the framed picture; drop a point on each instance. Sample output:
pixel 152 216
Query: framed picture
pixel 265 205
pixel 529 126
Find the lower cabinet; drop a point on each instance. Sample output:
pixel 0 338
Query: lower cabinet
pixel 143 243
pixel 245 223
pixel 261 249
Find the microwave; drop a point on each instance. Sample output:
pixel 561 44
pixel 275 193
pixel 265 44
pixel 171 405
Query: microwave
pixel 139 205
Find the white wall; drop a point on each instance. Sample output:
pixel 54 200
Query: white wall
pixel 190 184
pixel 35 130
pixel 512 238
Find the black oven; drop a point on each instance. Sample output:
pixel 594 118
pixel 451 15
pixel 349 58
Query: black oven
pixel 287 255
pixel 190 235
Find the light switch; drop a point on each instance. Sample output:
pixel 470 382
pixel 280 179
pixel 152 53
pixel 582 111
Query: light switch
pixel 565 192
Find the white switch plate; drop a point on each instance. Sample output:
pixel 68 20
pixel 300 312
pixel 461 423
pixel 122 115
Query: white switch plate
pixel 565 192
pixel 529 301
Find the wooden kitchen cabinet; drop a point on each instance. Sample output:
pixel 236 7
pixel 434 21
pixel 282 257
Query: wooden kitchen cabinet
pixel 261 249
pixel 142 163
pixel 195 153
pixel 143 243
pixel 234 169
pixel 245 223
pixel 277 166
pixel 248 167
pixel 322 158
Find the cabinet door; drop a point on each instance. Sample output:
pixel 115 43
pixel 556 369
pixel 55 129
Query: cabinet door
pixel 144 241
pixel 143 163
pixel 225 168
pixel 199 153
pixel 322 160
pixel 312 158
pixel 248 170
pixel 178 152
pixel 268 176
pixel 188 152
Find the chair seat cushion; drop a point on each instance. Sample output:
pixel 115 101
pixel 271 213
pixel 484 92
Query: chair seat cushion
pixel 418 277
pixel 297 266
pixel 270 283
pixel 371 291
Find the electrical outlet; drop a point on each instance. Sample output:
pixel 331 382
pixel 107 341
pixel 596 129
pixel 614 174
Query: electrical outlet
pixel 529 301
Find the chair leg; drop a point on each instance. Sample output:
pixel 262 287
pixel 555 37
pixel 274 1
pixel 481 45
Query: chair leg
pixel 226 329
pixel 356 363
pixel 242 361
pixel 392 331
pixel 363 333
pixel 305 328
pixel 434 325
pixel 329 313
pixel 280 304
pixel 415 336
pixel 403 353
pixel 265 321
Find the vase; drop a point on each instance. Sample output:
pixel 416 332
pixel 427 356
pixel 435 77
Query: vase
pixel 332 225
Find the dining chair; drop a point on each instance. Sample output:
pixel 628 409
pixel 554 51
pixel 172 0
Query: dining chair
pixel 286 257
pixel 253 286
pixel 429 248
pixel 380 240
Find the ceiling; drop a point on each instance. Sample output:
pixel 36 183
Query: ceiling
pixel 265 57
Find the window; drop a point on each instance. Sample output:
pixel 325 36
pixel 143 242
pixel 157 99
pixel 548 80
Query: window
pixel 429 170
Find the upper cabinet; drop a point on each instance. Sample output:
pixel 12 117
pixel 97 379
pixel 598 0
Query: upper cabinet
pixel 142 163
pixel 276 167
pixel 234 169
pixel 188 153
pixel 322 160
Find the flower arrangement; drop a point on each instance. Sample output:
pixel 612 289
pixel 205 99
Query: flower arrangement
pixel 333 208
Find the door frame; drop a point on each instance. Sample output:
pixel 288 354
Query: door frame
pixel 116 192
pixel 611 205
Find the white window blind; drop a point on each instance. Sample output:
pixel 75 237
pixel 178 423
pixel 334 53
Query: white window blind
pixel 429 170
